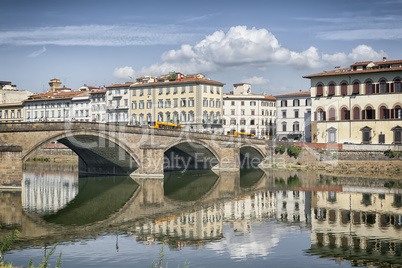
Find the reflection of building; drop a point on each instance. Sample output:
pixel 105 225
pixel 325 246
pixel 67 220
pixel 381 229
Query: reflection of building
pixel 366 221
pixel 293 206
pixel 48 192
pixel 198 225
pixel 247 112
pixel 293 116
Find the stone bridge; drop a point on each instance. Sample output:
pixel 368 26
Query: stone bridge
pixel 141 152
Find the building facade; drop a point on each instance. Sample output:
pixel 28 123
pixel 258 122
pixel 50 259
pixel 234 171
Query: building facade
pixel 118 103
pixel 192 101
pixel 11 112
pixel 247 112
pixel 359 104
pixel 293 116
pixel 98 105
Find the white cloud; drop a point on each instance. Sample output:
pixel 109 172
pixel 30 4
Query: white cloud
pixel 239 47
pixel 124 72
pixel 37 52
pixel 360 53
pixel 255 80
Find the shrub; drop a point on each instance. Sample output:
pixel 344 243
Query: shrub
pixel 283 149
pixel 328 152
pixel 335 156
pixel 390 153
pixel 293 151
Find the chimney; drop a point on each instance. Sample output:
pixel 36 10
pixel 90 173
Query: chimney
pixel 384 58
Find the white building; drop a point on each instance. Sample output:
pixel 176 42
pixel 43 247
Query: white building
pixel 117 103
pixel 82 107
pixel 247 112
pixel 98 105
pixel 293 116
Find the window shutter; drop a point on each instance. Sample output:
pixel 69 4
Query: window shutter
pixel 392 114
pixel 324 116
pixel 387 90
pixel 391 87
pixel 315 116
pixel 348 114
pixel 363 114
pixel 377 88
pixel 373 114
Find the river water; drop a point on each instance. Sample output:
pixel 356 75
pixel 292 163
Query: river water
pixel 252 218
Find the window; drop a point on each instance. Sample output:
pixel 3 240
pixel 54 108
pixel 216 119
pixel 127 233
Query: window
pixel 175 90
pixel 149 91
pixel 211 89
pixel 283 114
pixel 383 86
pixel 205 102
pixel 160 91
pixel 232 103
pixel 369 113
pixel 242 103
pixel 319 91
pixel 252 122
pixel 296 126
pixel 233 121
pixel 183 103
pixel 307 102
pixel 183 117
pixel 345 114
pixel 366 133
pixel 397 134
pixel 296 113
pixel 218 103
pixel 191 102
pixel 252 112
pixel 141 105
pixel 331 114
pixel 232 112
pixel 331 90
pixel 205 89
pixel 242 122
pixel 191 116
pixel 218 91
pixel 370 88
pixel 141 92
pixel 168 104
pixel 167 90
pixel 356 113
pixel 331 135
pixel 149 104
pixel 384 113
pixel 211 103
pixel 397 86
pixel 397 112
pixel 344 89
pixel 175 103
pixel 319 115
pixel 191 91
pixel 284 103
pixel 296 103
pixel 284 126
pixel 160 103
pixel 356 87
pixel 160 117
pixel 183 90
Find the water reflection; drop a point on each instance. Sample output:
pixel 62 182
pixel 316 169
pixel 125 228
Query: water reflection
pixel 244 214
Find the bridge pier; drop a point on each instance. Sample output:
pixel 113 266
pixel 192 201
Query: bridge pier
pixel 229 155
pixel 152 156
pixel 10 165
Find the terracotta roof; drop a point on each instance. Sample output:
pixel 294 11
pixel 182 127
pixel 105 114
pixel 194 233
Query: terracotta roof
pixel 120 85
pixel 183 80
pixel 53 96
pixel 302 93
pixel 374 69
pixel 97 91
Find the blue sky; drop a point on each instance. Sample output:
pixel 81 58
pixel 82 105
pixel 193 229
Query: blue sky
pixel 270 44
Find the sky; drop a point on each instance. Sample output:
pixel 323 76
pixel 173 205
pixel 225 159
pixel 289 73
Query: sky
pixel 269 44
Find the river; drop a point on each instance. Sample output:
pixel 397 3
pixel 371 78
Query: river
pixel 251 218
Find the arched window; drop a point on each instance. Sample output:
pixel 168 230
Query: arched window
pixel 183 117
pixel 356 113
pixel 397 112
pixel 149 118
pixel 369 113
pixel 168 116
pixel 384 112
pixel 191 116
pixel 175 117
pixel 370 88
pixel 356 87
pixel 397 86
pixel 141 119
pixel 160 117
pixel 319 91
pixel 345 114
pixel 319 115
pixel 331 89
pixel 344 89
pixel 296 126
pixel 134 119
pixel 211 117
pixel 331 114
pixel 218 117
pixel 383 86
pixel 205 116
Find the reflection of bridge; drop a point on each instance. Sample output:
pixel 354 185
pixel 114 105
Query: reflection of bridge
pixel 139 151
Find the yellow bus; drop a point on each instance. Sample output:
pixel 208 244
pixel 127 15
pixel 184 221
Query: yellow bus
pixel 233 133
pixel 162 125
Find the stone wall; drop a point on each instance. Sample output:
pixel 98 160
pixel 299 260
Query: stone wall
pixel 10 165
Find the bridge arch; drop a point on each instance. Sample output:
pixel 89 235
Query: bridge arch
pixel 251 155
pixel 97 151
pixel 190 154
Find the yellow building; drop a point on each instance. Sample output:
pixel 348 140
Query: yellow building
pixel 11 112
pixel 192 101
pixel 359 104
